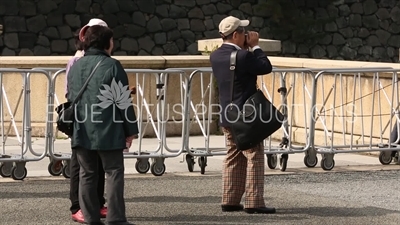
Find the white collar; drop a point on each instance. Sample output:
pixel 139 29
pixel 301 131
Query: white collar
pixel 236 46
pixel 79 53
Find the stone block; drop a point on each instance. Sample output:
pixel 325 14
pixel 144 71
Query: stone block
pixel 146 6
pixel 176 12
pixel 168 24
pixel 162 10
pixel 146 43
pixel 27 40
pixel 74 21
pixel 46 6
pixel 14 24
pixel 110 6
pixel 11 40
pixel 171 49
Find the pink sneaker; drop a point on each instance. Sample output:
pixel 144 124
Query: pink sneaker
pixel 78 217
pixel 103 212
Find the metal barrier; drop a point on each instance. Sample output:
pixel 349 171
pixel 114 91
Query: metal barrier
pixel 344 139
pixel 278 78
pixel 296 94
pixel 13 165
pixel 296 89
pixel 59 161
pixel 198 78
pixel 303 96
pixel 145 79
pixel 160 79
pixel 294 85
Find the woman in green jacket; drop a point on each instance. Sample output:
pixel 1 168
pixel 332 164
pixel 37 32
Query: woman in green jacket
pixel 105 124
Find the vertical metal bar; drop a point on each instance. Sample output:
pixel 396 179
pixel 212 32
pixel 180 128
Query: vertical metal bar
pixel 372 108
pixel 353 108
pixel 333 113
pixel 342 105
pixel 380 107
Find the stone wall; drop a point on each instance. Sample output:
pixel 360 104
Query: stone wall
pixel 366 30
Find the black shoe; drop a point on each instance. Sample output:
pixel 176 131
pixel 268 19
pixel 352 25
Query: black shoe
pixel 263 210
pixel 231 208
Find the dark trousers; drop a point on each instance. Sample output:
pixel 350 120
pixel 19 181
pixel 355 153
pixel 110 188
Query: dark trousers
pixel 113 165
pixel 74 183
pixel 393 137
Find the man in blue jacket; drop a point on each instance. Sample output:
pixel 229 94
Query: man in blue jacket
pixel 243 171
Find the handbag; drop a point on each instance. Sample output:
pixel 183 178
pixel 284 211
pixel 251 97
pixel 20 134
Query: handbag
pixel 66 111
pixel 256 121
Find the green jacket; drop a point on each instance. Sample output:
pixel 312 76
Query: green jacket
pixel 104 114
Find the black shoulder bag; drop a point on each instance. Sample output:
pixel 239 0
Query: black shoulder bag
pixel 66 111
pixel 256 121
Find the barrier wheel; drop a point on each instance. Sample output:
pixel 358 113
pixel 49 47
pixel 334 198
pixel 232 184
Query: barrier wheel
pixel 142 166
pixel 18 173
pixel 327 165
pixel 55 168
pixel 309 162
pixel 202 164
pixel 5 169
pixel 385 158
pixel 190 162
pixel 157 170
pixel 283 162
pixel 272 161
pixel 66 172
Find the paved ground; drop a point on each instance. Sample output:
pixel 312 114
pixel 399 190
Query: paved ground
pixel 315 198
pixel 358 191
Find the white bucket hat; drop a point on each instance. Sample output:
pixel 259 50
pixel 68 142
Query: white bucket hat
pixel 92 22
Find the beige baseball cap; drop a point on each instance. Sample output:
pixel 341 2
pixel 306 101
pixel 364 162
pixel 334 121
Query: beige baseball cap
pixel 92 22
pixel 230 24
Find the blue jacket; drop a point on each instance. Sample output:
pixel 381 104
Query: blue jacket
pixel 248 66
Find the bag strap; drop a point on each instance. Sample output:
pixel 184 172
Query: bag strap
pixel 86 83
pixel 232 69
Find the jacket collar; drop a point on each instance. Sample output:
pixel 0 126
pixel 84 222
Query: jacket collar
pixel 95 51
pixel 234 45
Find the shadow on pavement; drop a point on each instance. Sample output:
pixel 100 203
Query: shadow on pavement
pixel 338 211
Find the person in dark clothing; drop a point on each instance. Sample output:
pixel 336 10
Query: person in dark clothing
pixel 105 124
pixel 243 171
pixel 76 212
pixel 393 137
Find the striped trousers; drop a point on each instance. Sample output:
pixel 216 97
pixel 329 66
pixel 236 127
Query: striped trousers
pixel 243 173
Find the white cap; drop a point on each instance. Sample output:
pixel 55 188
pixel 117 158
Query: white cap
pixel 92 22
pixel 230 24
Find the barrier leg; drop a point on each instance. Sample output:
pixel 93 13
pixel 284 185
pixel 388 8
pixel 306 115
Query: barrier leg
pixel 5 169
pixel 272 161
pixel 55 167
pixel 66 172
pixel 203 164
pixel 310 159
pixel 142 165
pixel 190 162
pixel 385 157
pixel 327 162
pixel 18 171
pixel 283 159
pixel 158 167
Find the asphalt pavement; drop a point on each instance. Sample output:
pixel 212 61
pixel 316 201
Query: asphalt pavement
pixel 357 191
pixel 306 198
